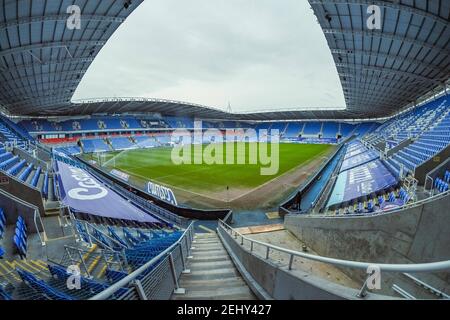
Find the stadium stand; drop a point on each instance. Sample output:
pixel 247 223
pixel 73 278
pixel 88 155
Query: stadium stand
pixel 121 143
pixel 107 225
pixel 2 228
pixel 293 130
pixel 330 129
pixel 94 145
pixel 441 184
pixel 145 142
pixel 21 237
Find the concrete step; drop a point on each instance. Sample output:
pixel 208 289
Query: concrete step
pixel 223 293
pixel 206 254
pixel 213 274
pixel 210 258
pixel 206 244
pixel 214 283
pixel 198 250
pixel 209 265
pixel 210 276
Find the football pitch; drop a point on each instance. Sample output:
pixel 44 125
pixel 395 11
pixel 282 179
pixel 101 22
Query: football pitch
pixel 214 180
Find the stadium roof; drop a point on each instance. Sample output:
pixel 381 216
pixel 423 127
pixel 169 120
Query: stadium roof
pixel 382 71
pixel 178 108
pixel 42 61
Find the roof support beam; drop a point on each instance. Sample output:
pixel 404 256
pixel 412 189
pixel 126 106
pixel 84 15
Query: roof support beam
pixel 57 18
pixel 49 93
pixel 386 4
pixel 381 55
pixel 63 62
pixel 387 70
pixel 40 75
pixel 386 35
pixel 44 45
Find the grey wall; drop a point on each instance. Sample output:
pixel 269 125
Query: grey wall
pixel 425 168
pixel 412 235
pixel 14 209
pixel 24 192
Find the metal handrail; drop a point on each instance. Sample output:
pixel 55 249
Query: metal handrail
pixel 420 267
pixel 135 274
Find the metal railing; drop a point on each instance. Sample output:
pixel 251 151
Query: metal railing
pixel 268 249
pixel 158 278
pixel 421 267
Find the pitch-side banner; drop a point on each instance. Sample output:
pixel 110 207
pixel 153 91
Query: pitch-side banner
pixel 161 192
pixel 359 159
pixel 361 181
pixel 84 193
pixel 120 175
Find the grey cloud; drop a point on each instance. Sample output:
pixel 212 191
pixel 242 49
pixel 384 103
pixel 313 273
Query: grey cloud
pixel 257 54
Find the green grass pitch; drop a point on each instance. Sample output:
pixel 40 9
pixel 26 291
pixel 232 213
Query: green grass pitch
pixel 156 165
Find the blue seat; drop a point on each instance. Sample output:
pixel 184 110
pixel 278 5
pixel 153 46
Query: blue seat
pixel 20 238
pixel 9 163
pixel 392 197
pixel 130 237
pixel 36 176
pixel 45 187
pixel 143 236
pixel 370 206
pixel 82 232
pixel 447 176
pixel 2 216
pixel 17 167
pixel 25 174
pixel 4 295
pixel 91 286
pixel 42 287
pixel 114 276
pixel 116 237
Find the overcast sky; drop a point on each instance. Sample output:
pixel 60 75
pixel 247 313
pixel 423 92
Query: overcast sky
pixel 255 54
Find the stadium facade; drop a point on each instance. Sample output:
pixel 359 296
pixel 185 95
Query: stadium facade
pixel 372 217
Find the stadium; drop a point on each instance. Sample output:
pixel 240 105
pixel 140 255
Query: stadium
pixel 156 199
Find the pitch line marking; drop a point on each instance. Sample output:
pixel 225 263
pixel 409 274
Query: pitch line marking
pixel 320 155
pixel 174 187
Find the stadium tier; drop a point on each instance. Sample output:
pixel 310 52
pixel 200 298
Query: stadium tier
pixel 376 169
pixel 156 199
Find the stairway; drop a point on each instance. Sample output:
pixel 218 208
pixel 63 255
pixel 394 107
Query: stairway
pixel 212 273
